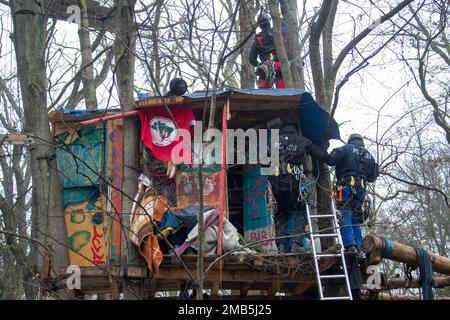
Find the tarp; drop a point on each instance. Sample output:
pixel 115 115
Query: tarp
pixel 313 119
pixel 80 112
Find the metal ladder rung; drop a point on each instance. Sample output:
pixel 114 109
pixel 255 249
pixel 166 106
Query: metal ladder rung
pixel 317 255
pixel 333 276
pixel 327 255
pixel 337 298
pixel 325 235
pixel 322 216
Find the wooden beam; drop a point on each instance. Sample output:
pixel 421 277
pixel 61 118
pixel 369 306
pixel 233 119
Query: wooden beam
pixel 159 102
pixel 15 138
pixel 115 289
pixel 240 276
pixel 387 296
pixel 152 289
pixel 396 283
pixel 378 248
pixel 215 288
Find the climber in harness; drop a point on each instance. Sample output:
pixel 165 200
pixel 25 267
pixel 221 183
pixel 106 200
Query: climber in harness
pixel 268 69
pixel 288 187
pixel 355 167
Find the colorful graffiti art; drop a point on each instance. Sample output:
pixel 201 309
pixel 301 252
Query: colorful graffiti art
pixel 80 156
pixel 85 154
pixel 258 222
pixel 87 226
pixel 188 188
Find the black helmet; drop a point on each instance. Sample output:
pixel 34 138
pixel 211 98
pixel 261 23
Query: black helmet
pixel 289 126
pixel 264 20
pixel 178 87
pixel 355 136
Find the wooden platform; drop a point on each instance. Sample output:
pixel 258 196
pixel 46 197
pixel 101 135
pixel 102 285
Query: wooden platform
pixel 289 275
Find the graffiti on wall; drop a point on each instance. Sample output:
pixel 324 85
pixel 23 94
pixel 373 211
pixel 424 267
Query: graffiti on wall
pixel 258 222
pixel 187 187
pixel 80 156
pixel 87 226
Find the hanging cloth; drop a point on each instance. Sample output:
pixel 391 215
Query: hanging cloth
pixel 159 131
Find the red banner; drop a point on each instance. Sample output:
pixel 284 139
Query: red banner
pixel 159 131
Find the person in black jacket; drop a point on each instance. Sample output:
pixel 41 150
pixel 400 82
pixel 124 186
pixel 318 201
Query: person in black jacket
pixel 288 187
pixel 355 167
pixel 264 48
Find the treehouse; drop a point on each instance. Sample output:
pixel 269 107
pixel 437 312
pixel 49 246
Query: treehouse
pixel 241 259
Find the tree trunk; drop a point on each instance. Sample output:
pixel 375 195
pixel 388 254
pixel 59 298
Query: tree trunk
pixel 279 44
pixel 289 11
pixel 323 24
pixel 86 59
pixel 48 224
pixel 125 46
pixel 247 14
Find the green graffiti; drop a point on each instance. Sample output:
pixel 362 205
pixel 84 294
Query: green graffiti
pixel 77 216
pixel 79 239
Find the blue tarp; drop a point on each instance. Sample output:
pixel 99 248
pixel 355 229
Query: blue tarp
pixel 313 119
pixel 255 92
pixel 79 113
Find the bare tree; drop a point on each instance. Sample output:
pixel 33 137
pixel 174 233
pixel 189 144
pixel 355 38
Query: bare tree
pixel 30 35
pixel 429 36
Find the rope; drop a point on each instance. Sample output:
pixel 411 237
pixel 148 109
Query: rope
pixel 268 68
pixel 388 248
pixel 426 273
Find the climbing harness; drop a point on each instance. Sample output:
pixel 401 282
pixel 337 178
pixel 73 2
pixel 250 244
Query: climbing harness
pixel 268 69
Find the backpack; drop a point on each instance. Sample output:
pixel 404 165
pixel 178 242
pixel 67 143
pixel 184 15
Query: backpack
pixel 367 167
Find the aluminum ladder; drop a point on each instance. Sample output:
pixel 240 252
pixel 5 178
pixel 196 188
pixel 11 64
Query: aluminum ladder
pixel 336 233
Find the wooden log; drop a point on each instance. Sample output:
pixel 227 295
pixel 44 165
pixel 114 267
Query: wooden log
pixel 437 282
pixel 387 296
pixel 377 248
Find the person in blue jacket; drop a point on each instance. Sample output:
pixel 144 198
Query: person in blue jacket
pixel 355 167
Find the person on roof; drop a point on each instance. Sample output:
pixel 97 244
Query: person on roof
pixel 268 69
pixel 355 167
pixel 289 188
